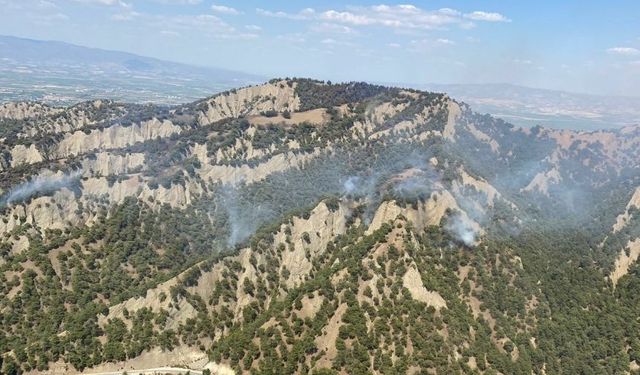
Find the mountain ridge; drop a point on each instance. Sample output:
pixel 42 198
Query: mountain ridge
pixel 304 227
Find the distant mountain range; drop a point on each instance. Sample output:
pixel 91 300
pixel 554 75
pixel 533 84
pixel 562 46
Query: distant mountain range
pixel 526 106
pixel 63 73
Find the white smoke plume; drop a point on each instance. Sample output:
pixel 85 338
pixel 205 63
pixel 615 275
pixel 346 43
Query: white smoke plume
pixel 41 184
pixel 243 221
pixel 462 229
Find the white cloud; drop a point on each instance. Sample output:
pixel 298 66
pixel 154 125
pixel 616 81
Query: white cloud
pixel 48 19
pixel 331 28
pixel 222 9
pixel 207 25
pixel 486 16
pixel 253 27
pixel 393 45
pixel 428 44
pixel 523 61
pixel 293 38
pixel 625 51
pixel 170 33
pixel 391 16
pixel 305 14
pixel 347 17
pixel 334 42
pixel 125 16
pixel 44 4
pixel 179 2
pixel 445 41
pixel 104 2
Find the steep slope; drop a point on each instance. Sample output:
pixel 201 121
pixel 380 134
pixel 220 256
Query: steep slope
pixel 300 226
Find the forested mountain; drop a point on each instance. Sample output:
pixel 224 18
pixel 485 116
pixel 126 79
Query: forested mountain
pixel 307 227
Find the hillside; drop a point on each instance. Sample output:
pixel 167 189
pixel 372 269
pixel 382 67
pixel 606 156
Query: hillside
pixel 300 226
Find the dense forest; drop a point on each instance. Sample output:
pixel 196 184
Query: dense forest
pixel 309 227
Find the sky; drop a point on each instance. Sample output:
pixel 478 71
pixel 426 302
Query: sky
pixel 574 45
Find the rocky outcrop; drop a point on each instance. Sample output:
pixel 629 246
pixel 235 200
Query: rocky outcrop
pixel 55 212
pixel 543 180
pixel 308 238
pixel 106 164
pixel 246 173
pixel 21 154
pixel 26 110
pixel 303 240
pixel 483 137
pixel 454 113
pixel 116 136
pixel 625 260
pixel 277 96
pixel 413 282
pixel 427 213
pixel 622 219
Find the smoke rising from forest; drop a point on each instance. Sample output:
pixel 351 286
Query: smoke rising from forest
pixel 42 184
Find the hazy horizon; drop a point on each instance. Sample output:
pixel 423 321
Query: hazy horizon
pixel 445 42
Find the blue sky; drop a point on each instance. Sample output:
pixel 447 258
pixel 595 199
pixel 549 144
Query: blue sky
pixel 576 45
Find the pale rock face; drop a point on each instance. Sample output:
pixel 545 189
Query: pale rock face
pixel 47 215
pixel 382 112
pixel 250 101
pixel 57 211
pixel 201 152
pixel 327 341
pixel 322 227
pixel 316 116
pixel 46 212
pixel 618 150
pixel 293 145
pixel 329 224
pixel 152 300
pixel 13 219
pixel 48 122
pixel 26 110
pixel 98 187
pixel 242 149
pixel 542 180
pixel 482 137
pixel 413 282
pixel 479 185
pixel 20 245
pixel 622 219
pixel 106 164
pixel 452 118
pixel 176 195
pixel 385 110
pixel 116 136
pixel 20 154
pixel 427 213
pixel 624 261
pixel 310 306
pixel 233 175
